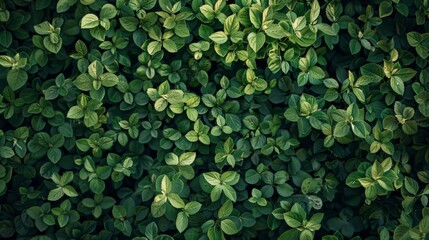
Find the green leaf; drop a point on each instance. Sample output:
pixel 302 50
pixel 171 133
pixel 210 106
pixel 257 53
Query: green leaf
pixel 6 152
pixel 219 37
pixel 7 229
pixel 53 43
pixel 397 85
pixel 233 121
pixel 181 29
pixel 175 200
pixel 97 186
pixel 228 227
pixel 377 170
pixel 181 222
pixel 64 5
pixel 172 159
pixel 207 11
pixel 354 46
pixel 410 127
pixel 255 17
pixel 89 21
pixel 192 136
pixel 315 11
pixel 204 139
pixel 225 210
pixel 424 225
pixel 290 234
pixel 400 231
pixel 309 185
pixel 187 158
pixel 154 47
pixel 414 38
pixel 215 193
pixel 353 179
pixel 385 9
pixel 54 154
pixel 165 185
pixel 16 78
pixel 108 11
pixel 292 219
pixel 6 61
pixel 341 129
pixel 109 79
pixel 326 29
pixel 231 25
pixel 306 235
pixel 63 220
pixel 90 118
pixel 213 178
pixel 170 45
pixel 95 69
pixel 411 185
pixel 358 128
pixel 43 28
pixel 55 194
pixel 275 31
pixel 119 211
pixel 251 122
pixel 405 74
pixel 129 23
pixel 160 104
pixel 83 82
pixel 192 207
pixel 70 191
pixel 367 79
pixel 256 40
pixel 229 192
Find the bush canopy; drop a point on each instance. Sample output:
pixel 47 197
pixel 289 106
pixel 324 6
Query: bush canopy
pixel 214 119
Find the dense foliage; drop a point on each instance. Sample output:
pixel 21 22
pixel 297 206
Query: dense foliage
pixel 205 119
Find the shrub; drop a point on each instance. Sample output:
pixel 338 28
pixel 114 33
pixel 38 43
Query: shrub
pixel 203 119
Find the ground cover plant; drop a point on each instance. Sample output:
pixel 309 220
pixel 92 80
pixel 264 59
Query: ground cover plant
pixel 214 119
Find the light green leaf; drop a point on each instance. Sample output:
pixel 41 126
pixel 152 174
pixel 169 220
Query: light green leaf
pixel 129 23
pixel 219 37
pixel 315 11
pixel 341 129
pixel 175 200
pixel 229 192
pixel 181 222
pixel 187 158
pixel 358 128
pixel 292 219
pixel 226 209
pixel 43 28
pixel 256 40
pixel 89 21
pixel 228 227
pixel 192 207
pixel 170 45
pixel 275 31
pixel 213 178
pixel 75 112
pixel 55 194
pixel 70 191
